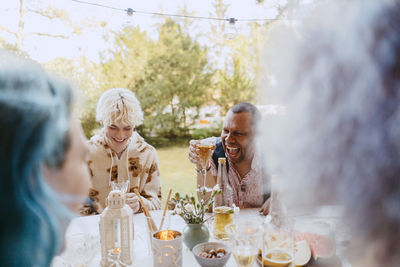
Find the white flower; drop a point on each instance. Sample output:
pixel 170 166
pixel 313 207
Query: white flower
pixel 189 207
pixel 216 188
pixel 178 210
pixel 204 189
pixel 236 210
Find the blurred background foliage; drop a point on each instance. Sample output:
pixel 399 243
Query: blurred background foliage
pixel 173 75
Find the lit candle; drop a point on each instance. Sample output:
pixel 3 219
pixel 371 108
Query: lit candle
pixel 167 248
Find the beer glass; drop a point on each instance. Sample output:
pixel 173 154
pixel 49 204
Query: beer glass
pixel 206 146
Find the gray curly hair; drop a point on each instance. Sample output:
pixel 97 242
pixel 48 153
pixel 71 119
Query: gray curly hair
pixel 340 137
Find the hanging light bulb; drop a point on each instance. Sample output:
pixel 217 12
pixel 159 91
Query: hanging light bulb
pixel 129 11
pixel 231 30
pixel 128 20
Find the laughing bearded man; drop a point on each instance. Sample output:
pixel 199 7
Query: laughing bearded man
pixel 238 144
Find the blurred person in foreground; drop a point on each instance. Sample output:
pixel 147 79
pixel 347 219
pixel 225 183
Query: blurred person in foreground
pixel 340 138
pixel 118 153
pixel 239 146
pixel 43 170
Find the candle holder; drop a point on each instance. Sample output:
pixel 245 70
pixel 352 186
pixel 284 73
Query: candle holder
pixel 116 231
pixel 167 248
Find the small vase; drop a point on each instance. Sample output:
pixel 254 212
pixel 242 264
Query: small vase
pixel 194 234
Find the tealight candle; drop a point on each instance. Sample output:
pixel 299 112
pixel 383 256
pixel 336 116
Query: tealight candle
pixel 167 248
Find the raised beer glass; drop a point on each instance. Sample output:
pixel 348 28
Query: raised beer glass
pixel 206 146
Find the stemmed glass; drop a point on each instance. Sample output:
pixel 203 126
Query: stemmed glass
pixel 245 239
pixel 206 146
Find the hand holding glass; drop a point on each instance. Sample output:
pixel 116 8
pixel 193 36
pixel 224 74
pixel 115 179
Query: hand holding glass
pixel 205 148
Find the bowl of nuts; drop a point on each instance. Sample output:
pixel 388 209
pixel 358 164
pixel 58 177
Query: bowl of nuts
pixel 211 254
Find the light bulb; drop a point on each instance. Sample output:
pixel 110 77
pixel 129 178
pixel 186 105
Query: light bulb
pixel 129 11
pixel 231 30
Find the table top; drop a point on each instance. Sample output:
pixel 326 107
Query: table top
pixel 83 241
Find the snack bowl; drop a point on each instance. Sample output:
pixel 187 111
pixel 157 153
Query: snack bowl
pixel 209 247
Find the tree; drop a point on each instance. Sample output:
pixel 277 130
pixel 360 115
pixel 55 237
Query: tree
pixel 177 80
pixel 86 77
pixel 12 47
pixel 234 86
pixel 170 76
pixel 47 11
pixel 237 61
pixel 124 65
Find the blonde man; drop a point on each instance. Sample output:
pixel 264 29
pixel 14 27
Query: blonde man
pixel 120 153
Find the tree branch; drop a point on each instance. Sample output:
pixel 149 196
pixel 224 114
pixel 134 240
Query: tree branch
pixel 7 30
pixel 49 35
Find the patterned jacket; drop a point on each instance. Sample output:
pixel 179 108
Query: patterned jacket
pixel 138 163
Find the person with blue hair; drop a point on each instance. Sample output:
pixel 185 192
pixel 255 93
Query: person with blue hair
pixel 43 169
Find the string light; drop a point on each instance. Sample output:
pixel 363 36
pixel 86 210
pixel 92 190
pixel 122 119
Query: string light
pixel 130 11
pixel 231 29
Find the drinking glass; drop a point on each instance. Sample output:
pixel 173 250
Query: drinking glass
pixel 81 249
pixel 206 146
pixel 222 217
pixel 318 228
pixel 245 239
pixel 279 244
pixel 121 186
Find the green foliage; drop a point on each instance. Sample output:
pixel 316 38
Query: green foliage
pixel 86 77
pixel 125 64
pixel 236 81
pixel 169 76
pixel 235 87
pixel 202 133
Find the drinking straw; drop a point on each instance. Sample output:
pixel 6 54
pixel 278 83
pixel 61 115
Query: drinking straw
pixel 165 209
pixel 152 225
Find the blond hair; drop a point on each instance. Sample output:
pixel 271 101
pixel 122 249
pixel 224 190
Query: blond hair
pixel 119 104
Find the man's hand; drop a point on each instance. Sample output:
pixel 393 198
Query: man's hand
pixel 194 153
pixel 132 201
pixel 264 210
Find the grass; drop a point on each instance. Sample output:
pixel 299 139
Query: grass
pixel 177 172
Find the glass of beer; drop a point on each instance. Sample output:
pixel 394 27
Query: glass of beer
pixel 206 146
pixel 222 217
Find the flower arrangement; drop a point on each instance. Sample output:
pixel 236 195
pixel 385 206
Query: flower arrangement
pixel 193 212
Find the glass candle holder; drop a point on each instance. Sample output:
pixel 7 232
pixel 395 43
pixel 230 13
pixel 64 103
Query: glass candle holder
pixel 167 248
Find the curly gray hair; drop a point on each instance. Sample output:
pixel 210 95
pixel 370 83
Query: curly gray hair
pixel 340 137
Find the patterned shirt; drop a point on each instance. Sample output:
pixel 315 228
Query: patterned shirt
pixel 247 191
pixel 138 163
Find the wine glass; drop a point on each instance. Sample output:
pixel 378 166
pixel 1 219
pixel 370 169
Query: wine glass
pixel 206 146
pixel 245 239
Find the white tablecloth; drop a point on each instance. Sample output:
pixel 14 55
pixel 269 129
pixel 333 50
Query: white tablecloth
pixel 83 241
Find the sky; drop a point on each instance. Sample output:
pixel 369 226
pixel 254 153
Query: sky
pixel 91 41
